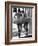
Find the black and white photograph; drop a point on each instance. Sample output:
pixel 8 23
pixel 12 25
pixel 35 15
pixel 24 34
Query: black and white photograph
pixel 21 22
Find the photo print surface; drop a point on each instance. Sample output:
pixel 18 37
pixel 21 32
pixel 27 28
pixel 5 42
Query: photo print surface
pixel 21 22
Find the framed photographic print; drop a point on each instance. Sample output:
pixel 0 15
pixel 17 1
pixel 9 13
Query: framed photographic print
pixel 20 22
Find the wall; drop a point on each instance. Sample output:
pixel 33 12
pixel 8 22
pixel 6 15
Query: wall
pixel 2 23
